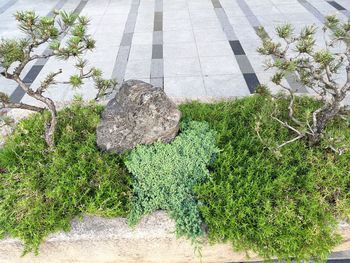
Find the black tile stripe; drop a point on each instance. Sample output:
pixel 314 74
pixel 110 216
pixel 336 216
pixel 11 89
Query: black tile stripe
pixel 336 5
pixel 252 81
pixel 292 79
pixel 32 74
pixel 157 63
pixel 339 7
pixel 237 47
pixel 243 62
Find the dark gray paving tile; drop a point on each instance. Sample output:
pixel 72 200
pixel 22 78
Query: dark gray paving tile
pixel 237 47
pixel 252 81
pixel 29 78
pixel 157 63
pixel 32 74
pixel 157 51
pixel 336 5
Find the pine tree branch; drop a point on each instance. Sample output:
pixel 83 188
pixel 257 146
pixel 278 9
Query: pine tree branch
pixel 12 105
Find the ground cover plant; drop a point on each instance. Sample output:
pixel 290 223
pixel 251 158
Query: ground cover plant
pixel 42 190
pixel 164 176
pixel 283 203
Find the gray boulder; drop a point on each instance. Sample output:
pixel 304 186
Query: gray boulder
pixel 139 114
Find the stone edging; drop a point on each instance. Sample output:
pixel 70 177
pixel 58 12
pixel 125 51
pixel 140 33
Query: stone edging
pixel 100 240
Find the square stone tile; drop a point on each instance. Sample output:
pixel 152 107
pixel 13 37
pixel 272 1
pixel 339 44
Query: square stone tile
pixel 209 35
pixel 142 38
pixel 171 6
pixel 181 67
pixel 184 87
pixel 219 65
pixel 140 52
pixel 181 50
pixel 205 23
pixel 215 48
pixel 138 69
pixel 178 36
pixel 232 85
pixel 176 24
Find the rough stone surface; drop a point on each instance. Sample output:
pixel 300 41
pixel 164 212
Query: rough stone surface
pixel 139 114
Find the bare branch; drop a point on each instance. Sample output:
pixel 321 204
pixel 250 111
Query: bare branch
pixel 12 105
pixel 290 141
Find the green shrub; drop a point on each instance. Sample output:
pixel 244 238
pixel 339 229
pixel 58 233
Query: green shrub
pixel 42 190
pixel 165 174
pixel 282 204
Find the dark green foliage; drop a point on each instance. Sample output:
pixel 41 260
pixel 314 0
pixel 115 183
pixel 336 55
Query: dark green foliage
pixel 165 174
pixel 41 190
pixel 282 204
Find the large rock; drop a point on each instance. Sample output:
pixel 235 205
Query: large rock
pixel 139 114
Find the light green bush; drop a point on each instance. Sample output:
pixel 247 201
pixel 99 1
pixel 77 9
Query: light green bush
pixel 165 175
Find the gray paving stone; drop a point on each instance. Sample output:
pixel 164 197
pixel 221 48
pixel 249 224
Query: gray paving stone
pixel 181 67
pixel 183 50
pixel 209 35
pixel 226 85
pixel 184 87
pixel 219 65
pixel 178 36
pixel 142 38
pixel 214 48
pixel 138 69
pixel 139 52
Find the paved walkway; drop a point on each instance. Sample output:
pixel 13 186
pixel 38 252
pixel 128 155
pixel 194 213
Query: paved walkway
pixel 192 48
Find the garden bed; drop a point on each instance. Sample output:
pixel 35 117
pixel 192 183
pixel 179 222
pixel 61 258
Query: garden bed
pixel 278 204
